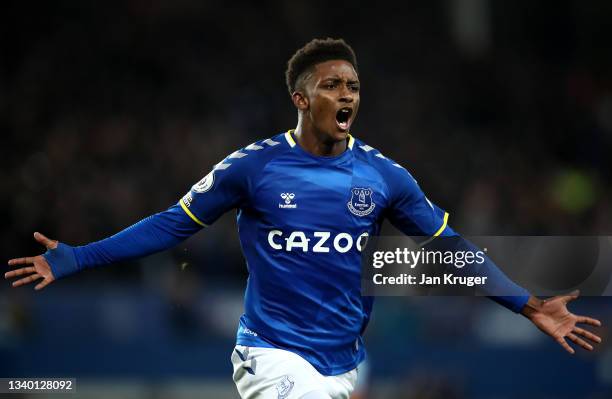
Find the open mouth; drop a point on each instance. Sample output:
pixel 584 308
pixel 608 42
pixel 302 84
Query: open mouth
pixel 342 118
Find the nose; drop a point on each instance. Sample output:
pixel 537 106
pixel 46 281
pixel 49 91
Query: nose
pixel 346 95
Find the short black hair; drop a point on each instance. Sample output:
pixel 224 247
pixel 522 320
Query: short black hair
pixel 315 52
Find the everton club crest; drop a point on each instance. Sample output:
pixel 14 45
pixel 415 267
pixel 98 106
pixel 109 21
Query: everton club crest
pixel 361 203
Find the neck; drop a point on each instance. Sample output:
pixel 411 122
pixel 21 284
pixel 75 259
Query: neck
pixel 315 142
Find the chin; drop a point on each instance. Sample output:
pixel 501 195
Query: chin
pixel 340 135
pixel 337 136
pixel 333 135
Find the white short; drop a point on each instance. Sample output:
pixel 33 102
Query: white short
pixel 266 373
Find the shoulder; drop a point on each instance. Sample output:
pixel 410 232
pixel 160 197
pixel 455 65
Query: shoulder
pixel 391 171
pixel 238 168
pixel 255 154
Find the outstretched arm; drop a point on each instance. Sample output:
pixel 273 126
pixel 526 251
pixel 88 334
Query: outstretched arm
pixel 222 189
pixel 153 234
pixel 415 215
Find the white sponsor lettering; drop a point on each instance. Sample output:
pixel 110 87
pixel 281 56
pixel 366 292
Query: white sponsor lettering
pixel 271 239
pixel 362 241
pixel 349 242
pixel 342 242
pixel 323 235
pixel 293 242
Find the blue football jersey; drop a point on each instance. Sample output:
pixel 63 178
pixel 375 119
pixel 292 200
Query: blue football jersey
pixel 303 221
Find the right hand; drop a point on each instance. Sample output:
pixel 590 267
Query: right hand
pixel 34 267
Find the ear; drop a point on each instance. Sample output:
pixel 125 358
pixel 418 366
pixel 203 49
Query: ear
pixel 300 100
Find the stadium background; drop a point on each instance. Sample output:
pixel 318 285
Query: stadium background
pixel 110 111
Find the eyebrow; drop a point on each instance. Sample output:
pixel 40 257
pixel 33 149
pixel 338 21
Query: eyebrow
pixel 338 78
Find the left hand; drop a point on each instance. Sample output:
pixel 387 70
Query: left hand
pixel 553 318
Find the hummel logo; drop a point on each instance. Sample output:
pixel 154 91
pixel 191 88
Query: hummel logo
pixel 287 198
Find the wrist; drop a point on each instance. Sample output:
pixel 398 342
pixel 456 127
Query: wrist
pixel 533 305
pixel 61 260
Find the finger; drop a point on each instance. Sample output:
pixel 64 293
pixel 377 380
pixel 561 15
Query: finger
pixel 587 334
pixel 588 320
pixel 580 341
pixel 565 345
pixel 42 284
pixel 20 272
pixel 27 280
pixel 41 238
pixel 21 261
pixel 571 296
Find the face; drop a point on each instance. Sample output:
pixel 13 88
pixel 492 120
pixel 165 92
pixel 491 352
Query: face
pixel 329 99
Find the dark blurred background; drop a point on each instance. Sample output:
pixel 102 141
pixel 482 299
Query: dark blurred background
pixel 110 111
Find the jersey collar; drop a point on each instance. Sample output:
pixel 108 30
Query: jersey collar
pixel 292 143
pixel 348 153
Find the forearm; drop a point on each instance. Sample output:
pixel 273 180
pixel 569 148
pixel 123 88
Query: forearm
pixel 498 286
pixel 152 234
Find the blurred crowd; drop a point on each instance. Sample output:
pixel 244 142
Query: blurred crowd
pixel 110 112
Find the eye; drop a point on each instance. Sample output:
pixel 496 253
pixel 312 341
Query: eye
pixel 354 87
pixel 330 85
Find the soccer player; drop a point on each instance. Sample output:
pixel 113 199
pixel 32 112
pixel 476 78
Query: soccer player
pixel 306 200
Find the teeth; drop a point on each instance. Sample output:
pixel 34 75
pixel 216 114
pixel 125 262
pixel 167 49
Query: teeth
pixel 342 118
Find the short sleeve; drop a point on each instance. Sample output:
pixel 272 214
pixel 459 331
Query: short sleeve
pixel 410 210
pixel 224 188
